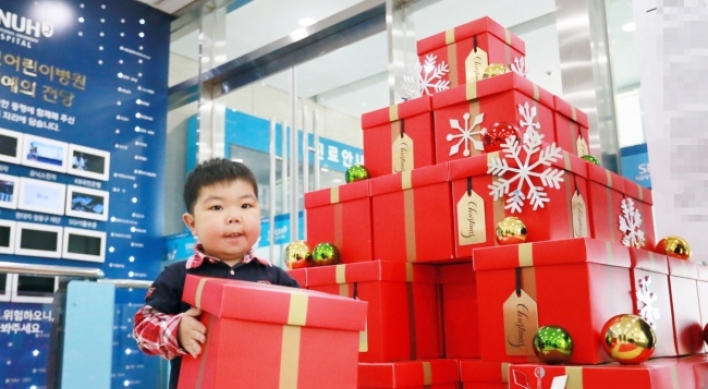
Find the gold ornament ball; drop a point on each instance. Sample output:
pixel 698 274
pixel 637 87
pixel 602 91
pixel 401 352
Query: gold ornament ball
pixel 495 69
pixel 592 159
pixel 325 254
pixel 553 345
pixel 356 173
pixel 674 246
pixel 297 254
pixel 628 339
pixel 511 230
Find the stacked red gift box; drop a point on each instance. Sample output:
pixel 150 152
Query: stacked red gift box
pixel 417 240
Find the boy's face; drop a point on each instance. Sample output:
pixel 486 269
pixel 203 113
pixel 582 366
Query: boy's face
pixel 226 219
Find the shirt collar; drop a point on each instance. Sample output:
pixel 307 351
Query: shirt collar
pixel 199 257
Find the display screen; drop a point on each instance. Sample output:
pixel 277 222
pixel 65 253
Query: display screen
pixel 39 240
pixel 82 202
pixel 45 153
pixel 35 286
pixel 8 145
pixel 81 244
pixel 88 162
pixel 7 191
pixel 5 232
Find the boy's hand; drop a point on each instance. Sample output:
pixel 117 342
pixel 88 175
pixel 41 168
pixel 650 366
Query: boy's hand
pixel 192 332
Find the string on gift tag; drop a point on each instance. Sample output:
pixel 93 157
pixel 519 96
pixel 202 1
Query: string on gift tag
pixel 403 127
pixel 469 186
pixel 518 282
pixel 474 43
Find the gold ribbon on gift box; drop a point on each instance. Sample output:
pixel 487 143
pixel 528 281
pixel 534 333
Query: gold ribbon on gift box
pixel 409 214
pixel 575 377
pixel 340 277
pixel 427 374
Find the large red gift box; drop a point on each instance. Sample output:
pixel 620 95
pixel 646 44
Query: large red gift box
pixel 459 309
pixel 688 331
pixel 433 374
pixel 478 374
pixel 468 49
pixel 476 213
pixel 271 336
pixel 399 137
pixel 652 297
pixel 403 321
pixel 642 201
pixel 703 294
pixel 571 128
pixel 463 114
pixel 341 215
pixel 606 192
pixel 577 284
pixel 412 215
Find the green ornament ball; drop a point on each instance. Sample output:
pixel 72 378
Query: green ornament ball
pixel 553 345
pixel 591 159
pixel 356 173
pixel 325 254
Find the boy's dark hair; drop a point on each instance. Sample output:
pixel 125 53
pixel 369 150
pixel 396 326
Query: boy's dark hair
pixel 214 171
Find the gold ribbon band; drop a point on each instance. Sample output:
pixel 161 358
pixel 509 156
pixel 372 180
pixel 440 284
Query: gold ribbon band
pixel 505 372
pixel 200 290
pixel 395 130
pixel 344 290
pixel 340 274
pixel 409 272
pixel 574 113
pixel 507 37
pixel 675 383
pixel 575 377
pixel 334 195
pixel 409 220
pixel 641 192
pixel 406 180
pixel 609 255
pixel 525 255
pixel 297 312
pixel 290 357
pixel 609 178
pixel 393 113
pixel 471 90
pixel 427 374
pixel 536 92
pixel 450 36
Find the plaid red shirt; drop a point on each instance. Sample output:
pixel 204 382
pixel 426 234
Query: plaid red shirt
pixel 156 332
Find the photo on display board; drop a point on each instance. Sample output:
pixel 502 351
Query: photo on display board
pixel 84 245
pixel 41 196
pixel 44 153
pixel 7 236
pixel 10 146
pixel 89 163
pixel 87 203
pixel 34 289
pixel 38 240
pixel 9 186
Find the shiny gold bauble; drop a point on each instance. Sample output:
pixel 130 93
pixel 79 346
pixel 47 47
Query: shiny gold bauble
pixel 495 69
pixel 674 246
pixel 325 254
pixel 356 173
pixel 298 254
pixel 511 230
pixel 628 339
pixel 592 159
pixel 552 345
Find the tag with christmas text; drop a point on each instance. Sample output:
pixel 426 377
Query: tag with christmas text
pixel 582 146
pixel 471 219
pixel 520 323
pixel 475 63
pixel 402 154
pixel 580 216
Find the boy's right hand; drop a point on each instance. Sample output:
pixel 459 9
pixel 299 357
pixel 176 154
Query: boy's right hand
pixel 192 333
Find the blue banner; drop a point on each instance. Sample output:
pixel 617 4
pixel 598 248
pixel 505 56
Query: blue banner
pixel 635 164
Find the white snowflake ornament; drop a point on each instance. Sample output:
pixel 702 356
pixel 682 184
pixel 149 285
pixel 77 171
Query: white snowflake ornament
pixel 519 66
pixel 427 79
pixel 631 225
pixel 466 134
pixel 524 168
pixel 648 311
pixel 528 121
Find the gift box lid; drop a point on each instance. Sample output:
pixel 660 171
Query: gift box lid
pixel 491 86
pixel 371 271
pixel 638 191
pixel 469 30
pixel 415 178
pixel 682 268
pixel 578 250
pixel 605 177
pixel 396 112
pixel 649 260
pixel 478 165
pixel 338 194
pixel 408 374
pixel 458 273
pixel 564 108
pixel 300 275
pixel 275 304
pixel 478 371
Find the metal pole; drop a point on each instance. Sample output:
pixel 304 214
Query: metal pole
pixel 271 191
pixel 316 146
pixel 284 168
pixel 293 158
pixel 305 152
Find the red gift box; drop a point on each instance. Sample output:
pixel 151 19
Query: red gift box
pixel 341 215
pixel 463 114
pixel 272 337
pixel 403 321
pixel 688 331
pixel 703 295
pixel 459 310
pixel 399 137
pixel 434 374
pixel 652 297
pixel 476 213
pixel 470 48
pixel 478 374
pixel 577 284
pixel 412 216
pixel 300 275
pixel 571 128
pixel 606 192
pixel 642 201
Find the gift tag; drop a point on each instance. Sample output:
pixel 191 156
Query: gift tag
pixel 582 146
pixel 475 63
pixel 402 153
pixel 580 216
pixel 520 323
pixel 471 220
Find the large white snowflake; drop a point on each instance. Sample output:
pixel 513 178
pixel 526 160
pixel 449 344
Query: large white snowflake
pixel 519 66
pixel 466 134
pixel 648 311
pixel 631 224
pixel 524 169
pixel 427 79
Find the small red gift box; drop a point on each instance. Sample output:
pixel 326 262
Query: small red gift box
pixel 642 201
pixel 300 275
pixel 272 337
pixel 688 331
pixel 478 374
pixel 399 137
pixel 412 216
pixel 577 284
pixel 341 215
pixel 403 318
pixel 703 295
pixel 476 213
pixel 652 297
pixel 468 49
pixel 606 190
pixel 571 128
pixel 467 114
pixel 459 309
pixel 434 374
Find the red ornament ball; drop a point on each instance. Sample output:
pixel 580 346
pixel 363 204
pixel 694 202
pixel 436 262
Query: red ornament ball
pixel 497 135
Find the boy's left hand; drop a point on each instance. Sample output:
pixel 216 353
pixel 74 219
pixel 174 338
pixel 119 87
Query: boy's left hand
pixel 192 333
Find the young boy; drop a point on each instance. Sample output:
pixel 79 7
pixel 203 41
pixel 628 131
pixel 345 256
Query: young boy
pixel 223 214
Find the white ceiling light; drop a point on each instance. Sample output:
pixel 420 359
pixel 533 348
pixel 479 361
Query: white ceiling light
pixel 629 27
pixel 305 22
